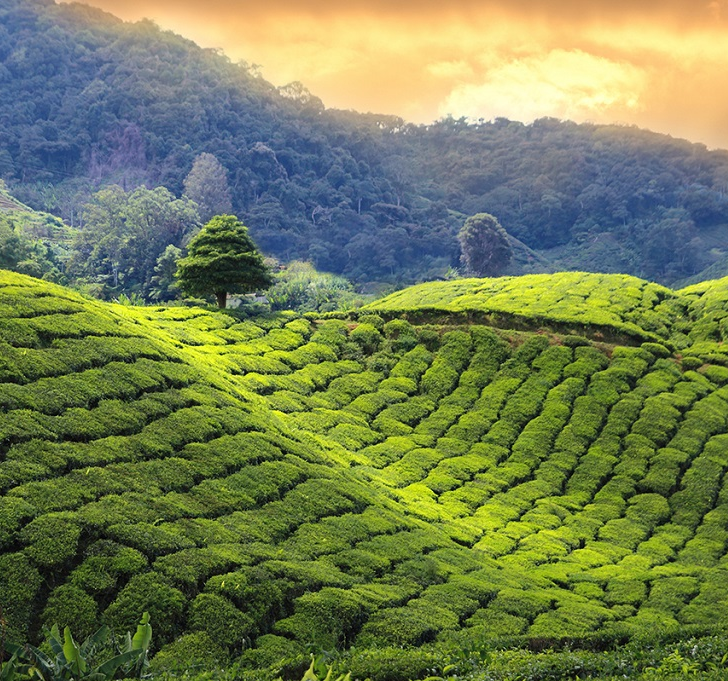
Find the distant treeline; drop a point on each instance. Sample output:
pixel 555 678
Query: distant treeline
pixel 88 101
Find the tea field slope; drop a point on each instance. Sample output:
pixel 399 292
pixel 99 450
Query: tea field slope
pixel 278 485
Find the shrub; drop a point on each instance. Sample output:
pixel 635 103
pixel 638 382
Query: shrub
pixel 148 592
pixel 401 335
pixel 367 336
pixel 393 663
pixel 105 562
pixel 220 619
pixel 69 606
pixel 189 651
pixel 439 379
pixel 406 626
pixel 413 364
pixel 51 540
pixel 522 603
pixel 329 618
pixel 152 540
pixel 625 592
pixel 332 332
pixel 14 512
pixel 20 583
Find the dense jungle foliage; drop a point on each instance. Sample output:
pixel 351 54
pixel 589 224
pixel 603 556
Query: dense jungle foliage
pixel 90 101
pixel 403 499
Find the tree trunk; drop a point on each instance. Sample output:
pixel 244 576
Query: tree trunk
pixel 221 299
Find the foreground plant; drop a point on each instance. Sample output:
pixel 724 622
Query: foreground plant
pixel 71 660
pixel 310 674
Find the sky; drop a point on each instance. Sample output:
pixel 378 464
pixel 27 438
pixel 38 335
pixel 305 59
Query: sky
pixel 657 64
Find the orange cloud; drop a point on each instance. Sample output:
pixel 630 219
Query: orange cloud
pixel 560 83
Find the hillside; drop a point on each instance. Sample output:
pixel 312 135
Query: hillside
pixel 91 101
pixel 278 485
pixel 32 242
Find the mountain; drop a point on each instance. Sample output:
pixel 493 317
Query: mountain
pixel 88 100
pixel 526 464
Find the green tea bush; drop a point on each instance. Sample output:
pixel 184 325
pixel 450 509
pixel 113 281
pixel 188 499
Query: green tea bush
pixel 283 339
pixel 151 540
pixel 394 663
pixel 196 650
pixel 20 583
pixel 439 379
pixel 14 513
pixel 625 592
pixel 152 593
pixel 332 332
pixel 354 437
pixel 221 620
pixel 572 620
pixel 411 467
pixel 367 336
pixel 329 618
pixel 406 626
pixel 413 364
pixel 51 540
pixel 409 412
pixel 623 532
pixel 671 593
pixel 401 335
pixel 311 353
pixel 649 510
pixel 70 606
pixel 524 604
pixel 261 364
pixel 344 389
pixel 104 564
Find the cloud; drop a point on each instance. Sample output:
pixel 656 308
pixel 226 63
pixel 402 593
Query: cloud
pixel 560 83
pixel 459 69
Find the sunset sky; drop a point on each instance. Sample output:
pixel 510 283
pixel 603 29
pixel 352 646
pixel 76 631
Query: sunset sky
pixel 659 64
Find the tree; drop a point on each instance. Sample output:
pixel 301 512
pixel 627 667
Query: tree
pixel 300 287
pixel 222 259
pixel 124 234
pixel 164 285
pixel 207 185
pixel 484 245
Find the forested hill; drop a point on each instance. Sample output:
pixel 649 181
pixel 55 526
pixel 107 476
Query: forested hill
pixel 89 100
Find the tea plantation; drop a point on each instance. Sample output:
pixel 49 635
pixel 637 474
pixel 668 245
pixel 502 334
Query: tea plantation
pixel 518 478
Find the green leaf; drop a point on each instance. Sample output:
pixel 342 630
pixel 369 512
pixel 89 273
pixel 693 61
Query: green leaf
pixel 98 638
pixel 8 669
pixel 108 668
pixel 73 654
pixel 310 675
pixel 143 636
pixel 42 667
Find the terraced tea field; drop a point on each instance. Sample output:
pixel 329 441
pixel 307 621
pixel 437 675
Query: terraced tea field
pixel 274 486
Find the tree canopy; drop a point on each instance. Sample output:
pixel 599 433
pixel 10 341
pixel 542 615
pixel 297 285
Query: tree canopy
pixel 484 243
pixel 124 233
pixel 207 185
pixel 222 259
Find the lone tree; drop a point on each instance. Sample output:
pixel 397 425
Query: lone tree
pixel 222 259
pixel 485 249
